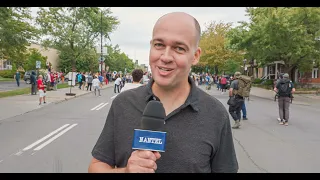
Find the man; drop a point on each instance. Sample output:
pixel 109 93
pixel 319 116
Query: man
pixel 285 89
pixel 17 77
pixel 244 111
pixel 199 136
pixel 90 79
pixel 237 101
pixel 137 75
pixel 275 84
pixel 41 89
pixel 33 82
pixel 96 85
pixel 117 84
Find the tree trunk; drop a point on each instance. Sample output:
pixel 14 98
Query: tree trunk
pixel 288 69
pixel 216 70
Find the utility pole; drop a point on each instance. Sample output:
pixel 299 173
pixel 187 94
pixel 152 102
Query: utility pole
pixel 101 58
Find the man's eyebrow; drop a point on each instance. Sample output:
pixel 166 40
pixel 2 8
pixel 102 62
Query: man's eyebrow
pixel 175 43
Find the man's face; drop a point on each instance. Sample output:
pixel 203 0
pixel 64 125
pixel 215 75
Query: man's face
pixel 173 50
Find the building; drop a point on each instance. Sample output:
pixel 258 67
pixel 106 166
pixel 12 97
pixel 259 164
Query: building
pixel 51 54
pixel 272 71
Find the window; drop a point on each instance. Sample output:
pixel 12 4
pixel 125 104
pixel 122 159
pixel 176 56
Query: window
pixel 315 73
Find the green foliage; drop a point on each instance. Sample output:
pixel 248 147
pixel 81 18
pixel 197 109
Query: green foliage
pixel 74 31
pixel 231 66
pixel 279 34
pixel 214 47
pixel 117 60
pixel 257 81
pixel 15 33
pixel 33 56
pixel 8 73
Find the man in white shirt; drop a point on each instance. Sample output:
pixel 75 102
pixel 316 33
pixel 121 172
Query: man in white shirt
pixel 137 75
pixel 96 85
pixel 117 84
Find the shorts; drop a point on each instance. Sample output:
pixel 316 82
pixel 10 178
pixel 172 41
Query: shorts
pixel 96 87
pixel 41 93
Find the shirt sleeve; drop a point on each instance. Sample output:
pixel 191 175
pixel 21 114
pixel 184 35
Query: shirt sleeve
pixel 292 85
pixel 225 160
pixel 232 85
pixel 104 148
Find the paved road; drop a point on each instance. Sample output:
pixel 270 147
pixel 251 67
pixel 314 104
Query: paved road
pixel 29 142
pixel 6 86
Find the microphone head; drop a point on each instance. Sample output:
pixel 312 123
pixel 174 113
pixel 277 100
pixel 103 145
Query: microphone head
pixel 153 116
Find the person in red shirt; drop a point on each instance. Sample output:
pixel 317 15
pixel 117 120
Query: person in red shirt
pixel 41 89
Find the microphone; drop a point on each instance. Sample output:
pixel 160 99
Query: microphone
pixel 150 136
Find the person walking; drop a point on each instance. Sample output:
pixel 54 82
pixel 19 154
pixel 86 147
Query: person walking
pixel 17 77
pixel 285 89
pixel 96 85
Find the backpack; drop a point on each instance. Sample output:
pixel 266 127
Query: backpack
pixel 244 86
pixel 284 89
pixel 79 77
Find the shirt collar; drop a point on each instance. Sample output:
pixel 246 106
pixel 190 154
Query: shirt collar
pixel 192 99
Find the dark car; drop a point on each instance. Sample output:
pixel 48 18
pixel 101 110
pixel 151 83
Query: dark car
pixel 26 76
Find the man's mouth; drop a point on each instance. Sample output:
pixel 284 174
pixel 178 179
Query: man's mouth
pixel 164 69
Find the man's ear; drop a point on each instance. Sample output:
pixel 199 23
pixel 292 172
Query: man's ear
pixel 197 55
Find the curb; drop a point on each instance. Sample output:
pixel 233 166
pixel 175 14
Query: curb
pixel 293 102
pixel 72 97
pixel 57 102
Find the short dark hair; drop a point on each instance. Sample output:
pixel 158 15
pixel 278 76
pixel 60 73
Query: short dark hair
pixel 137 75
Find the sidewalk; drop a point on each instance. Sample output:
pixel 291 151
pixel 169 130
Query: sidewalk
pixel 17 105
pixel 300 99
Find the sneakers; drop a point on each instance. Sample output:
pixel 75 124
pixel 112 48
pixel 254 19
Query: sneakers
pixel 284 123
pixel 236 124
pixel 244 118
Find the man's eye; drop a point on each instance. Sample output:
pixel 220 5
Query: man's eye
pixel 158 45
pixel 180 49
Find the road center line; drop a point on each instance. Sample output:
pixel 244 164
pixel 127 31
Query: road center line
pixel 44 138
pixel 114 96
pixel 54 137
pixel 97 106
pixel 102 106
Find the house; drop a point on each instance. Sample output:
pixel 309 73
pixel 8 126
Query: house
pixel 51 54
pixel 272 71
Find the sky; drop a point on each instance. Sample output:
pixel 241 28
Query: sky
pixel 134 32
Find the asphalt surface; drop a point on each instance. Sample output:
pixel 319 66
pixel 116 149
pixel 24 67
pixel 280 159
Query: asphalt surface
pixel 7 86
pixel 262 145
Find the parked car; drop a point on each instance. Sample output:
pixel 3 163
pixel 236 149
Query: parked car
pixel 26 76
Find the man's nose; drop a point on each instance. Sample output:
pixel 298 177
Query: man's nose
pixel 167 57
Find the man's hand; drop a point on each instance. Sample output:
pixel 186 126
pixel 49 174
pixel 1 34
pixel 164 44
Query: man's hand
pixel 142 161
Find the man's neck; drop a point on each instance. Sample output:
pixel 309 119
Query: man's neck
pixel 172 98
pixel 135 82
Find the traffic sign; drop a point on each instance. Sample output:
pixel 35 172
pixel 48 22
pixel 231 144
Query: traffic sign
pixel 38 64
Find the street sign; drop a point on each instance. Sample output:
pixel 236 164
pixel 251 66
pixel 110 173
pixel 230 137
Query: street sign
pixel 38 64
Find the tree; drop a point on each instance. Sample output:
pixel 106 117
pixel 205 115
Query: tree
pixel 32 56
pixel 213 45
pixel 279 34
pixel 74 30
pixel 117 60
pixel 16 32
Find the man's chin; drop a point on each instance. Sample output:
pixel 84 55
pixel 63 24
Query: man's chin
pixel 163 83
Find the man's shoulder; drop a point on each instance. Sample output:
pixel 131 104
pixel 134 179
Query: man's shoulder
pixel 132 95
pixel 206 100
